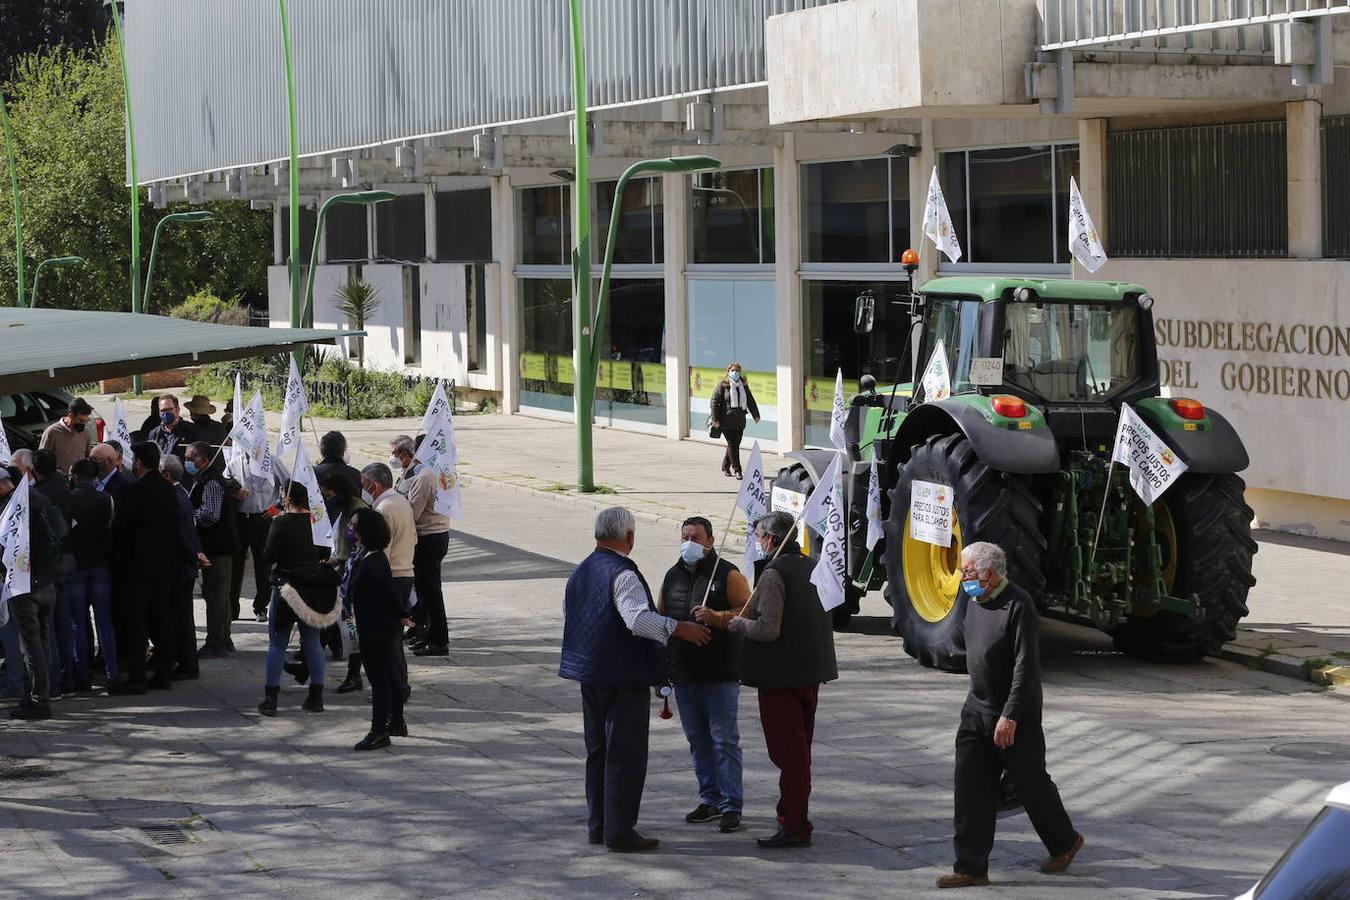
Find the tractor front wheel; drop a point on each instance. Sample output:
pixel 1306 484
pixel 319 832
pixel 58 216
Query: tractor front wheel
pixel 1204 532
pixel 923 581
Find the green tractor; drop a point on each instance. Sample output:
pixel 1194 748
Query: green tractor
pixel 1027 456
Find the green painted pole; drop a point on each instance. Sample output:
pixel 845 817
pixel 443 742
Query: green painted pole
pixel 292 179
pixel 136 307
pixel 583 350
pixel 18 210
pixel 191 216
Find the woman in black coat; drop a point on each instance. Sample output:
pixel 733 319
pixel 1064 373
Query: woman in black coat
pixel 369 587
pixel 731 403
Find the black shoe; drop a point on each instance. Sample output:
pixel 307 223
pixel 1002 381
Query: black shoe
pixel 261 617
pixel 32 711
pixel 209 651
pixel 414 633
pixel 731 821
pixel 159 683
pixel 702 813
pixel 372 741
pixel 595 838
pixel 182 673
pixel 634 843
pixel 314 702
pixel 229 645
pixel 353 683
pixel 126 689
pixel 84 687
pixel 398 728
pixel 269 705
pixel 298 670
pixel 782 838
pixel 740 476
pixel 431 650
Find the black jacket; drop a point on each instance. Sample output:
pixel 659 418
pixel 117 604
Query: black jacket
pixel 732 419
pixel 681 591
pixel 375 599
pixel 222 537
pixel 330 466
pixel 146 525
pixel 184 433
pixel 803 654
pixel 55 489
pixel 91 534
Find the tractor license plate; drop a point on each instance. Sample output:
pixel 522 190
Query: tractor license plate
pixel 787 501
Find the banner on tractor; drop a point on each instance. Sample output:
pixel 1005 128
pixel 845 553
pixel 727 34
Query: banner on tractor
pixel 303 473
pixel 937 221
pixel 825 513
pixel 121 432
pixel 4 444
pixel 439 453
pixel 1153 465
pixel 17 554
pixel 752 500
pixel 874 533
pixel 937 379
pixel 292 411
pixel 930 513
pixel 1084 243
pixel 838 414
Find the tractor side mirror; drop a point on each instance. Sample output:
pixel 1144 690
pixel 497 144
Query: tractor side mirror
pixel 864 312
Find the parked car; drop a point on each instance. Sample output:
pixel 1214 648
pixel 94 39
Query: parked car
pixel 1317 866
pixel 27 415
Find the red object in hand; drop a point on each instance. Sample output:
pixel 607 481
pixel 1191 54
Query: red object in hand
pixel 665 709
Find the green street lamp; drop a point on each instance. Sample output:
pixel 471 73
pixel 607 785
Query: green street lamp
pixel 196 215
pixel 14 188
pixel 359 198
pixel 54 261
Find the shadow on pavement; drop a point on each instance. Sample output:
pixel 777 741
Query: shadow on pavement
pixel 473 558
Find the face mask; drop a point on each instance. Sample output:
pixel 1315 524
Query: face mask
pixel 734 375
pixel 77 426
pixel 190 467
pixel 691 552
pixel 350 534
pixel 166 418
pixel 973 588
pixel 394 462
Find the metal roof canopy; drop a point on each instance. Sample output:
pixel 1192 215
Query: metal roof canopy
pixel 56 347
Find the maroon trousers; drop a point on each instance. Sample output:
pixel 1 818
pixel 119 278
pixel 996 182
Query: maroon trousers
pixel 789 719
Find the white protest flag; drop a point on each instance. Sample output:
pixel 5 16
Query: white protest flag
pixel 293 409
pixel 1084 243
pixel 752 500
pixel 438 403
pixel 838 413
pixel 318 515
pixel 4 444
pixel 1153 465
pixel 439 453
pixel 827 507
pixel 236 410
pixel 874 532
pixel 15 536
pixel 121 432
pixel 937 222
pixel 937 379
pixel 250 436
pixel 816 512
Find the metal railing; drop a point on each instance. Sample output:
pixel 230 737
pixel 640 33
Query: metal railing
pixel 1336 186
pixel 335 394
pixel 1224 27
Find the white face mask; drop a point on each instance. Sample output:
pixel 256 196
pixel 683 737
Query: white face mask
pixel 394 463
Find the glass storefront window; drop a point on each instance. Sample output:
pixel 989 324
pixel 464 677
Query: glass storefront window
pixel 831 344
pixel 464 225
pixel 732 320
pixel 546 343
pixel 857 210
pixel 641 222
pixel 546 225
pixel 401 228
pixel 731 217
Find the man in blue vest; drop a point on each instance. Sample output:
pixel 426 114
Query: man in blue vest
pixel 612 640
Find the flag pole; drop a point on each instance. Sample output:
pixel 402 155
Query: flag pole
pixel 717 553
pixel 1106 497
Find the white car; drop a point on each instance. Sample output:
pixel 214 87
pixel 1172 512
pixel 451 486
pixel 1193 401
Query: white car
pixel 1317 866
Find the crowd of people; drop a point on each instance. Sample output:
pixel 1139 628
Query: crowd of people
pixel 122 538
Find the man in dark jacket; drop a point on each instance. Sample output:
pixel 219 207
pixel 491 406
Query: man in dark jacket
pixel 90 583
pixel 173 434
pixel 32 612
pixel 112 477
pixel 612 635
pixel 788 654
pixel 217 528
pixel 190 560
pixel 50 483
pixel 1001 722
pixel 707 679
pixel 333 461
pixel 145 521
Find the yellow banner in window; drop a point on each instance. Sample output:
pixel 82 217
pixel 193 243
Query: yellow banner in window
pixel 650 377
pixel 820 393
pixel 533 366
pixel 614 374
pixel 566 371
pixel 763 385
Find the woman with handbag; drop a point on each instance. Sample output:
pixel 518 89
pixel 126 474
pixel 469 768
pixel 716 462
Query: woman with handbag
pixel 369 587
pixel 731 403
pixel 304 593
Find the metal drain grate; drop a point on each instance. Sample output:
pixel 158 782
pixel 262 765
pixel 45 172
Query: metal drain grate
pixel 167 835
pixel 1313 751
pixel 24 768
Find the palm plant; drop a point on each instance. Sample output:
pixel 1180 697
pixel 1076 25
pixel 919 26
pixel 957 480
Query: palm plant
pixel 357 300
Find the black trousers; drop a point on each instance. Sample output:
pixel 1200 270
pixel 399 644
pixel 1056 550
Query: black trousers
pixel 979 771
pixel 616 721
pixel 147 601
pixel 430 610
pixel 184 625
pixel 252 539
pixel 731 462
pixel 381 657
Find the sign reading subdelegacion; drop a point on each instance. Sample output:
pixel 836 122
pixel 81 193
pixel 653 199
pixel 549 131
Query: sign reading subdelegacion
pixel 930 513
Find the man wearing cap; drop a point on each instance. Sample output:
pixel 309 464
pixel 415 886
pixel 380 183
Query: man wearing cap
pixel 200 409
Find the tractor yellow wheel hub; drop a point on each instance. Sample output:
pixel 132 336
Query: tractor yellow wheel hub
pixel 932 573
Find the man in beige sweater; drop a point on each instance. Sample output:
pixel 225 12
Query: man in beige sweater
pixel 419 483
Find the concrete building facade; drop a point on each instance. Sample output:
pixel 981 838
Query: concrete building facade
pixel 1213 151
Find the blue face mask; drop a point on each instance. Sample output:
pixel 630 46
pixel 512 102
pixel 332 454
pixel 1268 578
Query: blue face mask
pixel 691 552
pixel 973 589
pixel 734 375
pixel 166 418
pixel 190 467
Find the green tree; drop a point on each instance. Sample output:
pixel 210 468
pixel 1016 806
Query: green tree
pixel 29 26
pixel 66 111
pixel 357 300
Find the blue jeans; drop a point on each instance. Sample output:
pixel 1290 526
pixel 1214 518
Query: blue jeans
pixel 279 640
pixel 708 714
pixel 14 670
pixel 87 588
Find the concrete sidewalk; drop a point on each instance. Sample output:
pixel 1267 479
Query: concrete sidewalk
pixel 1296 626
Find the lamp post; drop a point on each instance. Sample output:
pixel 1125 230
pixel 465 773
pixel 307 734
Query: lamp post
pixel 292 176
pixel 360 198
pixel 18 210
pixel 196 215
pixel 54 261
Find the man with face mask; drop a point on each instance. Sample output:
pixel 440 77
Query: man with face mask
pixel 173 434
pixel 112 477
pixel 707 679
pixel 217 530
pixel 69 437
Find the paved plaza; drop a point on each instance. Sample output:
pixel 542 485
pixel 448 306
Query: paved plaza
pixel 1188 781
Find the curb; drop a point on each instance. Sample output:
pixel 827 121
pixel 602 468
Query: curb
pixel 1288 666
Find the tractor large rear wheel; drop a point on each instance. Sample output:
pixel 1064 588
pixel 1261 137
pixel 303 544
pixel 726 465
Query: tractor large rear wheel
pixel 923 581
pixel 1204 532
pixel 797 478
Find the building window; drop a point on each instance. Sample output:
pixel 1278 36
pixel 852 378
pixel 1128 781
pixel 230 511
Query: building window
pixel 731 217
pixel 464 225
pixel 412 316
pixel 546 374
pixel 1010 204
pixel 401 228
pixel 345 231
pixel 475 307
pixel 1336 186
pixel 832 345
pixel 732 320
pixel 308 222
pixel 641 239
pixel 1208 190
pixel 857 210
pixel 546 225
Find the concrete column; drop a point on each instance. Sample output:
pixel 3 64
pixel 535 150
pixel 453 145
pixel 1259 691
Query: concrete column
pixel 1303 120
pixel 920 173
pixel 787 202
pixel 278 256
pixel 1091 183
pixel 504 231
pixel 675 205
pixel 429 215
